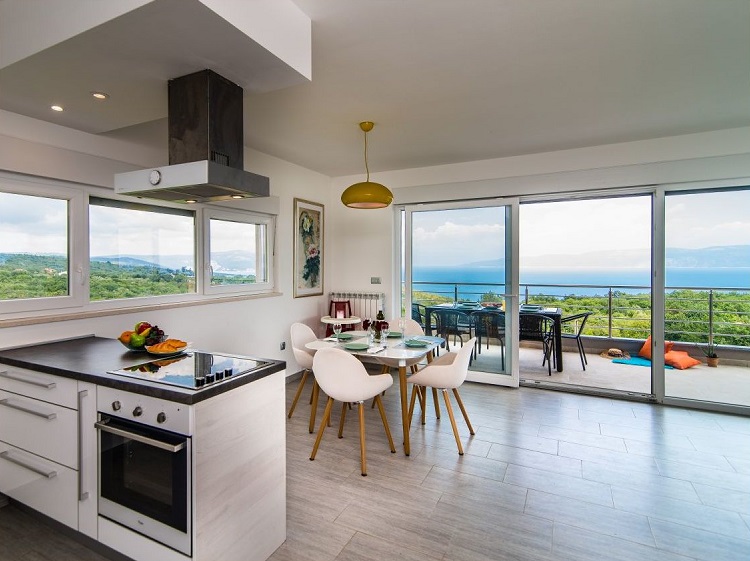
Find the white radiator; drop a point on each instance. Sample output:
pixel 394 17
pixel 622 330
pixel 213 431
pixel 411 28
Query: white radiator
pixel 364 304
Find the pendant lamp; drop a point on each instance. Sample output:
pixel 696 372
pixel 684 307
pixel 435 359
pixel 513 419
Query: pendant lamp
pixel 367 194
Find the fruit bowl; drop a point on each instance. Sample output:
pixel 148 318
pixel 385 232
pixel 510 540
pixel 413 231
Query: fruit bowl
pixel 130 347
pixel 143 335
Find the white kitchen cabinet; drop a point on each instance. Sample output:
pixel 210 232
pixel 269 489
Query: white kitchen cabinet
pixel 39 385
pixel 46 429
pixel 48 445
pixel 39 483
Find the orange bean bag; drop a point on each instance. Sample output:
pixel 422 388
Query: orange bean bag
pixel 645 351
pixel 680 360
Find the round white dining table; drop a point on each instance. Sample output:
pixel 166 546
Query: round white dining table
pixel 391 347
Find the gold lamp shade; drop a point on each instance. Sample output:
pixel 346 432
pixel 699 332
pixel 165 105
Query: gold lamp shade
pixel 367 194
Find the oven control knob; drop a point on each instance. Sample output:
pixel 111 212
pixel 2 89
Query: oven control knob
pixel 161 417
pixel 138 411
pixel 116 405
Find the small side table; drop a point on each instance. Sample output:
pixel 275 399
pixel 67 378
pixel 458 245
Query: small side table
pixel 351 321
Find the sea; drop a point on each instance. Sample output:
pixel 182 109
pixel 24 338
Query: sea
pixel 556 282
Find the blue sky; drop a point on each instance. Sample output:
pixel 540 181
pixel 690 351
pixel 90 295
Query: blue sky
pixel 456 237
pixel 443 238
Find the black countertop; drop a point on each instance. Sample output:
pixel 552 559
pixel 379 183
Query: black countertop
pixel 89 358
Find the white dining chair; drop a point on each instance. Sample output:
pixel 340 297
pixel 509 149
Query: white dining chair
pixel 412 328
pixel 445 373
pixel 344 378
pixel 301 334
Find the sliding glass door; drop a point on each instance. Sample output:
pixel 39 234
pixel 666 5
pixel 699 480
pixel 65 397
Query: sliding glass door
pixel 707 303
pixel 460 279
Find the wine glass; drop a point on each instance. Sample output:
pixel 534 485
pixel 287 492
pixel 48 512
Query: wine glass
pixel 385 329
pixel 337 331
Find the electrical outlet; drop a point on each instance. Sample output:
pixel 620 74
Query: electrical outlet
pixel 282 346
pixel 374 280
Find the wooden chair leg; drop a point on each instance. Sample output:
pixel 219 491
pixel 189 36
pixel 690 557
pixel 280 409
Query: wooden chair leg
pixel 314 405
pixel 463 411
pixel 414 390
pixel 453 421
pixel 385 423
pixel 362 451
pixel 341 421
pixel 437 402
pixel 323 424
pixel 298 392
pixel 423 402
pixel 383 370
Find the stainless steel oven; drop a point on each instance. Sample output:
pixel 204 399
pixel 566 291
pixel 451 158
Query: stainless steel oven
pixel 145 466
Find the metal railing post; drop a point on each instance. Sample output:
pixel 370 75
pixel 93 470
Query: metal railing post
pixel 455 293
pixel 710 316
pixel 609 312
pixel 526 294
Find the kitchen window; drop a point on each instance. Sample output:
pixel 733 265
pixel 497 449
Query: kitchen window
pixel 238 251
pixel 138 250
pixel 64 246
pixel 39 257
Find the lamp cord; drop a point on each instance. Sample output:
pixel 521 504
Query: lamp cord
pixel 367 168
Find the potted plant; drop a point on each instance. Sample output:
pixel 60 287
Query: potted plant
pixel 712 359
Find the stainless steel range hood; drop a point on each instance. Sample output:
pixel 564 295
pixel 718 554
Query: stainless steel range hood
pixel 205 147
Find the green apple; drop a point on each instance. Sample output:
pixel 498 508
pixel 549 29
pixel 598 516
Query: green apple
pixel 137 340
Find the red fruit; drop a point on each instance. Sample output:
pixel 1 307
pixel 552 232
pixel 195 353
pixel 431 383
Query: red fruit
pixel 142 326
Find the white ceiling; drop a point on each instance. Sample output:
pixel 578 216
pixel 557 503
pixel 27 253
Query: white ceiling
pixel 445 81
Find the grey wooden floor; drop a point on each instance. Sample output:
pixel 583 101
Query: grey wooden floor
pixel 548 476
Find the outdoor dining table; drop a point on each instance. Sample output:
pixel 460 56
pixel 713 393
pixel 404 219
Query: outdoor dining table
pixel 393 348
pixel 555 314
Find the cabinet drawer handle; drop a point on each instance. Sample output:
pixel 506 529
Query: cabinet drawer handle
pixel 49 474
pixel 82 495
pixel 27 409
pixel 25 380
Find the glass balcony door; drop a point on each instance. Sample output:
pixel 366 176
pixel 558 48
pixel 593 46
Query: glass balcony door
pixel 460 278
pixel 707 299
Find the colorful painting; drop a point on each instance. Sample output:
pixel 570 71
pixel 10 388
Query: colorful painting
pixel 308 248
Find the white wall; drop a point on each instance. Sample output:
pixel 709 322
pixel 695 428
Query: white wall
pixel 254 327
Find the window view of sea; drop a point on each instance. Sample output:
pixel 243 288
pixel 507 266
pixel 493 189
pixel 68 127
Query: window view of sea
pixel 556 282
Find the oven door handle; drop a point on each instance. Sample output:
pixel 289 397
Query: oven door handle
pixel 103 426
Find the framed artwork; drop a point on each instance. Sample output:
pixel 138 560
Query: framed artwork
pixel 308 248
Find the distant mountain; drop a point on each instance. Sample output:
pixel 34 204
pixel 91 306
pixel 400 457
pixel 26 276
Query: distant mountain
pixel 718 256
pixel 227 262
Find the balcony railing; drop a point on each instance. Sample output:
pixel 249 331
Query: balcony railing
pixel 692 314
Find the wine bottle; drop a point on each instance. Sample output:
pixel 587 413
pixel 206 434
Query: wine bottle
pixel 378 324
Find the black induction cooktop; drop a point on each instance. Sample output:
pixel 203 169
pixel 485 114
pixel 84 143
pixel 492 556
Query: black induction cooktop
pixel 192 369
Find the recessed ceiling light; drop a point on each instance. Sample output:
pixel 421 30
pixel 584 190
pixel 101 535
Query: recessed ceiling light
pixel 191 201
pixel 100 95
pixel 56 108
pixel 237 197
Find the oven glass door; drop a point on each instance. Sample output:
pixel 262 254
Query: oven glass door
pixel 145 470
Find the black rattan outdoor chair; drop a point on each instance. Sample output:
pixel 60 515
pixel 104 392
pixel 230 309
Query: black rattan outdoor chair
pixel 536 327
pixel 490 324
pixel 576 322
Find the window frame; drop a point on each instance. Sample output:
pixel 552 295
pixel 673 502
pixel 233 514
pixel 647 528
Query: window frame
pixel 245 217
pixel 77 245
pixel 78 301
